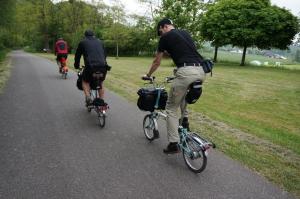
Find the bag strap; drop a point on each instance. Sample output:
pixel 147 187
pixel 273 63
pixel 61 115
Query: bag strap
pixel 189 44
pixel 191 47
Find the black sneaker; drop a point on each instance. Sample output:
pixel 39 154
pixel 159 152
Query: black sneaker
pixel 171 148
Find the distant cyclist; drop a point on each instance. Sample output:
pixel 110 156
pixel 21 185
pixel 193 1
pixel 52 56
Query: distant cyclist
pixel 94 56
pixel 61 52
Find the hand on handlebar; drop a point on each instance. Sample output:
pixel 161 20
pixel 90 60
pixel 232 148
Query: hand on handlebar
pixel 146 77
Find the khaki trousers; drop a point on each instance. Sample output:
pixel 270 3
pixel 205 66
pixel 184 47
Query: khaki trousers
pixel 184 77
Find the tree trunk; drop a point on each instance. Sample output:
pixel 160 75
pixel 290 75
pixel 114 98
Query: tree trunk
pixel 44 26
pixel 117 57
pixel 216 54
pixel 244 56
pixel 46 41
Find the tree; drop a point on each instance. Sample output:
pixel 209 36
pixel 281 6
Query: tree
pixel 118 16
pixel 279 28
pixel 252 23
pixel 7 13
pixel 186 14
pixel 211 28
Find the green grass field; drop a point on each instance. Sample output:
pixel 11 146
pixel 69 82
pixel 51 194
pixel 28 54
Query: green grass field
pixel 251 113
pixel 4 70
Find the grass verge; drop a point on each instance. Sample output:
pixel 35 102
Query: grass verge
pixel 4 70
pixel 251 113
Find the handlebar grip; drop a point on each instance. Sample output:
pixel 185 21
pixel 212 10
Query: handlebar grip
pixel 148 78
pixel 168 79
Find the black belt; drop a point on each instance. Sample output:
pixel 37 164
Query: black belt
pixel 189 64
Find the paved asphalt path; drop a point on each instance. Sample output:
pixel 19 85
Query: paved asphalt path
pixel 51 147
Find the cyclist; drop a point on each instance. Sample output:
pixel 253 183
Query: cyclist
pixel 61 51
pixel 181 47
pixel 94 56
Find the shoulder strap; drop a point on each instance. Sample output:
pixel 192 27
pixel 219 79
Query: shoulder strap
pixel 192 48
pixel 189 44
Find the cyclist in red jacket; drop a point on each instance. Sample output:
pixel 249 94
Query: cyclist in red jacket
pixel 61 52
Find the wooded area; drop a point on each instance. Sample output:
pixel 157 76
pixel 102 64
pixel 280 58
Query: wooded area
pixel 36 24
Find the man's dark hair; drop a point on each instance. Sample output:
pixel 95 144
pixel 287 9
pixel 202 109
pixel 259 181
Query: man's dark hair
pixel 161 23
pixel 88 33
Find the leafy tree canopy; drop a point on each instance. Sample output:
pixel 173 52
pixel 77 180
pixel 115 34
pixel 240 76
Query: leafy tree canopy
pixel 249 23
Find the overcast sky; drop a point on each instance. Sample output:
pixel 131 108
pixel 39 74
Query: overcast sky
pixel 292 5
pixel 133 6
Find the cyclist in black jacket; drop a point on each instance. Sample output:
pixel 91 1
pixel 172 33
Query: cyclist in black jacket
pixel 94 56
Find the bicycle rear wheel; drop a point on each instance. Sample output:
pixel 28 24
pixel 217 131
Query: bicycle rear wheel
pixel 64 75
pixel 150 127
pixel 194 155
pixel 101 119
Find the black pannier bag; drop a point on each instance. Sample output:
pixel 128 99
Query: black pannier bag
pixel 194 92
pixel 147 99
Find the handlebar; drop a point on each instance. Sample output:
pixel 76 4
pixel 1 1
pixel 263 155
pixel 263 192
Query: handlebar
pixel 151 79
pixel 146 78
pixel 169 79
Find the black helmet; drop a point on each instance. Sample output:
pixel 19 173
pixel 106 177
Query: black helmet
pixel 162 23
pixel 88 33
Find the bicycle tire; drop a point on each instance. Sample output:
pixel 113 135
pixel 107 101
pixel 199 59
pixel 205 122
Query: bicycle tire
pixel 196 161
pixel 101 119
pixel 150 127
pixel 64 75
pixel 89 109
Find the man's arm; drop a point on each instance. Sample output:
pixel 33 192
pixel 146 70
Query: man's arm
pixel 78 54
pixel 155 63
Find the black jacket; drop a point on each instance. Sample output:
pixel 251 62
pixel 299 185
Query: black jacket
pixel 93 53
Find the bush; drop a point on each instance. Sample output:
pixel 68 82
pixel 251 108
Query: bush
pixel 2 54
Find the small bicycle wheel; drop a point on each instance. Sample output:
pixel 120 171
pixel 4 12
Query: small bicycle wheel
pixel 101 119
pixel 193 155
pixel 65 75
pixel 150 127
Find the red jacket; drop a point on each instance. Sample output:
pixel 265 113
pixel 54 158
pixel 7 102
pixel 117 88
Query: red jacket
pixel 61 47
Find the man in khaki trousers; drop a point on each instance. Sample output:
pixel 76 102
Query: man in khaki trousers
pixel 181 47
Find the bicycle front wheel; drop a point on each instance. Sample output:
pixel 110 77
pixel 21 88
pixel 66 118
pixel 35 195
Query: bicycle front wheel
pixel 150 127
pixel 194 155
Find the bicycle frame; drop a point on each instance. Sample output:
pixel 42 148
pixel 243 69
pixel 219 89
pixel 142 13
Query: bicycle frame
pixel 183 132
pixel 200 142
